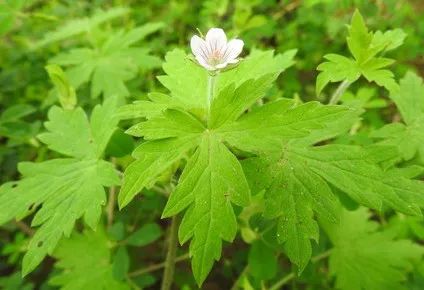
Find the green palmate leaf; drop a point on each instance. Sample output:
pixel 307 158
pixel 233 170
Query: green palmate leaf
pixel 80 270
pixel 79 26
pixel 407 136
pixel 111 65
pixel 212 179
pixel 364 46
pixel 182 129
pixel 66 189
pixel 365 258
pixel 297 189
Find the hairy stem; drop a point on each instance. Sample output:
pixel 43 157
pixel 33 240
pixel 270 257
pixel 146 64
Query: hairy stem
pixel 24 227
pixel 168 273
pixel 211 86
pixel 240 277
pixel 156 267
pixel 339 92
pixel 111 202
pixel 280 283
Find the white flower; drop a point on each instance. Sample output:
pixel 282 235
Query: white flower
pixel 214 52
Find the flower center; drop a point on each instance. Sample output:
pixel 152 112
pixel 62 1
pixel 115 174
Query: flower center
pixel 215 58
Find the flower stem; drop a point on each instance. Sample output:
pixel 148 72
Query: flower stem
pixel 168 273
pixel 339 92
pixel 158 266
pixel 111 201
pixel 292 275
pixel 211 86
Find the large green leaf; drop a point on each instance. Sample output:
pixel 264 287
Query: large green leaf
pixel 63 190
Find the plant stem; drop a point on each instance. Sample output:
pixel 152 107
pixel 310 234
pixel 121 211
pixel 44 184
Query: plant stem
pixel 283 281
pixel 292 275
pixel 168 273
pixel 111 202
pixel 321 256
pixel 24 228
pixel 211 85
pixel 158 266
pixel 236 283
pixel 111 206
pixel 339 92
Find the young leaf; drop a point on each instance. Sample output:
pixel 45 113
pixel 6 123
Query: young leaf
pixel 66 189
pixel 407 136
pixel 365 258
pixel 66 92
pixel 80 270
pixel 147 234
pixel 262 261
pixel 364 46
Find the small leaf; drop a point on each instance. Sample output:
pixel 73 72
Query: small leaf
pixel 147 234
pixel 67 96
pixel 84 262
pixel 262 261
pixel 121 264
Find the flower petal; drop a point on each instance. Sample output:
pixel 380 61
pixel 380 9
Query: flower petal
pixel 204 63
pixel 221 65
pixel 198 47
pixel 216 40
pixel 234 48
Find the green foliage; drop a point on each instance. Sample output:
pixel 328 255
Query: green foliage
pixel 66 188
pixel 79 26
pixel 213 178
pixel 364 47
pixel 145 235
pixel 297 182
pixel 409 135
pixel 66 92
pixel 111 64
pixel 85 262
pixel 370 258
pixel 13 127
